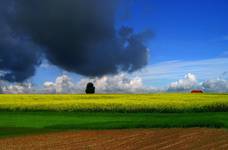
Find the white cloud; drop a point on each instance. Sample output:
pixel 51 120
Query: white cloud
pixel 120 83
pixel 123 83
pixel 188 83
pixel 17 88
pixel 63 84
pixel 217 85
pixel 49 87
pixel 165 72
pixel 211 75
pixel 162 74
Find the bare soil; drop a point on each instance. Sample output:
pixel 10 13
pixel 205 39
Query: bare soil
pixel 132 139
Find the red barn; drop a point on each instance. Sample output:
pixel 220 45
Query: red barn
pixel 196 91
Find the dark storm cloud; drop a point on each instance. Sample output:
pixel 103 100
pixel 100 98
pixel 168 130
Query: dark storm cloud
pixel 76 35
pixel 18 56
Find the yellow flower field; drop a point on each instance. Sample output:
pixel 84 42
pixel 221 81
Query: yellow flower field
pixel 116 102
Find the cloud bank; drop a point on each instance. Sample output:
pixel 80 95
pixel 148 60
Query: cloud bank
pixel 183 85
pixel 19 88
pixel 76 35
pixel 219 85
pixel 120 83
pixel 62 84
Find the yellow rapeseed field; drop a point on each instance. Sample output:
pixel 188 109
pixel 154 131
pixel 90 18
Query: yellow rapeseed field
pixel 116 102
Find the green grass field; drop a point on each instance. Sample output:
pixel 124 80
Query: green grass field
pixel 16 123
pixel 27 114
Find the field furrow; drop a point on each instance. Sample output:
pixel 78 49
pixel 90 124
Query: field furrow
pixel 133 139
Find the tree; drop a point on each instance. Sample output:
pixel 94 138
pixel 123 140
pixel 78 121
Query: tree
pixel 1 91
pixel 90 89
pixel 1 85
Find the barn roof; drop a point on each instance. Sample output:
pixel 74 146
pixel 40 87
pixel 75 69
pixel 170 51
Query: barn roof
pixel 197 91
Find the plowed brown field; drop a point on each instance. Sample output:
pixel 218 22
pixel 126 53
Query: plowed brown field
pixel 143 139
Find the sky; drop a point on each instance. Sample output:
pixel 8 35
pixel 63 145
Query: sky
pixel 186 30
pixel 188 48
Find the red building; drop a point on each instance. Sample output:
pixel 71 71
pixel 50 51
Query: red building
pixel 196 91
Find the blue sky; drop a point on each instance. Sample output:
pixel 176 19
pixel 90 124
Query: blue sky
pixel 192 33
pixel 186 30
